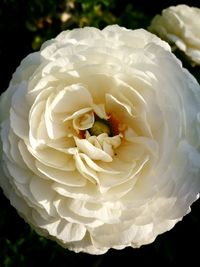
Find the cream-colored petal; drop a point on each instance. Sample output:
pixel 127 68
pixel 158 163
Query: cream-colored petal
pixel 43 194
pixel 53 158
pixel 55 129
pixel 95 210
pixel 71 178
pixel 95 166
pixel 34 120
pixel 71 99
pixel 65 213
pixel 84 122
pixel 112 235
pixel 78 113
pixel 85 245
pixel 87 192
pixel 28 159
pixel 132 173
pixel 70 232
pixel 85 170
pixel 92 151
pixel 19 124
pixel 21 175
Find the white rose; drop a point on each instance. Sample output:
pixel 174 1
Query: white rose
pixel 100 135
pixel 180 25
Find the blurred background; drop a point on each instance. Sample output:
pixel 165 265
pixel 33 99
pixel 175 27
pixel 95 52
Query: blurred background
pixel 24 26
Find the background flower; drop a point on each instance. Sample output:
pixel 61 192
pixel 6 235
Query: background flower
pixel 92 155
pixel 179 25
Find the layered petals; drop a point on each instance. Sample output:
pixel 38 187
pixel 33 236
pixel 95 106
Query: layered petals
pixel 100 139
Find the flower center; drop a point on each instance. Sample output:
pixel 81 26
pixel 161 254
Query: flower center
pixel 98 137
pixel 109 126
pixel 100 126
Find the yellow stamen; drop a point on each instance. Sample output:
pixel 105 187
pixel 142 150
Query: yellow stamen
pixel 100 127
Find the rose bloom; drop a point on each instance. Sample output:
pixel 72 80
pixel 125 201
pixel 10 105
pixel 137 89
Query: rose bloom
pixel 180 26
pixel 100 134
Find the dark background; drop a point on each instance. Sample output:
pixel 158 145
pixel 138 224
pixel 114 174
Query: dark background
pixel 24 26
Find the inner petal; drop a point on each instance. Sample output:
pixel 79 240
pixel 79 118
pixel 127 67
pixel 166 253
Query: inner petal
pixel 84 122
pixel 123 112
pixel 71 99
pixel 90 150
